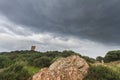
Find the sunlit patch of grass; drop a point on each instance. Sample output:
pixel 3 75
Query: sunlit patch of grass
pixel 114 66
pixel 32 70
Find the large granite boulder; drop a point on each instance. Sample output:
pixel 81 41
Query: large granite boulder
pixel 70 68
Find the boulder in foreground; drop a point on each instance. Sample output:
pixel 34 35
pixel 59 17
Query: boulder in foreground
pixel 70 68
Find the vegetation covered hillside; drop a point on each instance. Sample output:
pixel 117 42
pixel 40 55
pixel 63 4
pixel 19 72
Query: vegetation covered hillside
pixel 21 65
pixel 110 70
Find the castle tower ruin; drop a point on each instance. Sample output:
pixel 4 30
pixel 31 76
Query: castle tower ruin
pixel 33 48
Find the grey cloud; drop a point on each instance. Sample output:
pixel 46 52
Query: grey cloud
pixel 9 27
pixel 97 20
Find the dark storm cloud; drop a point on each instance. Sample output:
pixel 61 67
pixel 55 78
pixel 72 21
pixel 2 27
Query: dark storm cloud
pixel 97 20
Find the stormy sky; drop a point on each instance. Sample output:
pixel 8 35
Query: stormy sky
pixel 89 27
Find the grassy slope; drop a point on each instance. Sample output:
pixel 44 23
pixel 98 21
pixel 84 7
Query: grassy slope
pixel 114 66
pixel 106 71
pixel 31 69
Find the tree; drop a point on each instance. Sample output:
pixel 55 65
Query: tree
pixel 112 56
pixel 99 58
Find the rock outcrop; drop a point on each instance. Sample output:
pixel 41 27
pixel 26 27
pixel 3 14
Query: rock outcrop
pixel 70 68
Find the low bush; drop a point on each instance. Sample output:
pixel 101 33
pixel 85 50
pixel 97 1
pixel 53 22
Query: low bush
pixel 4 62
pixel 102 73
pixel 15 72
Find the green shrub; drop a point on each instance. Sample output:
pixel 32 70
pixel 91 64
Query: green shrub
pixel 42 62
pixel 15 72
pixel 112 56
pixel 89 60
pixel 102 73
pixel 99 58
pixel 4 62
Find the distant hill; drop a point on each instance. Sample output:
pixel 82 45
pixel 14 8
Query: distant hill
pixel 21 65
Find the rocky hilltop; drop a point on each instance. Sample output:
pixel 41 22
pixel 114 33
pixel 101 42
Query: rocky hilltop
pixel 70 68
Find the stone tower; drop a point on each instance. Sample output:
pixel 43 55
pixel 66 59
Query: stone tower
pixel 33 48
